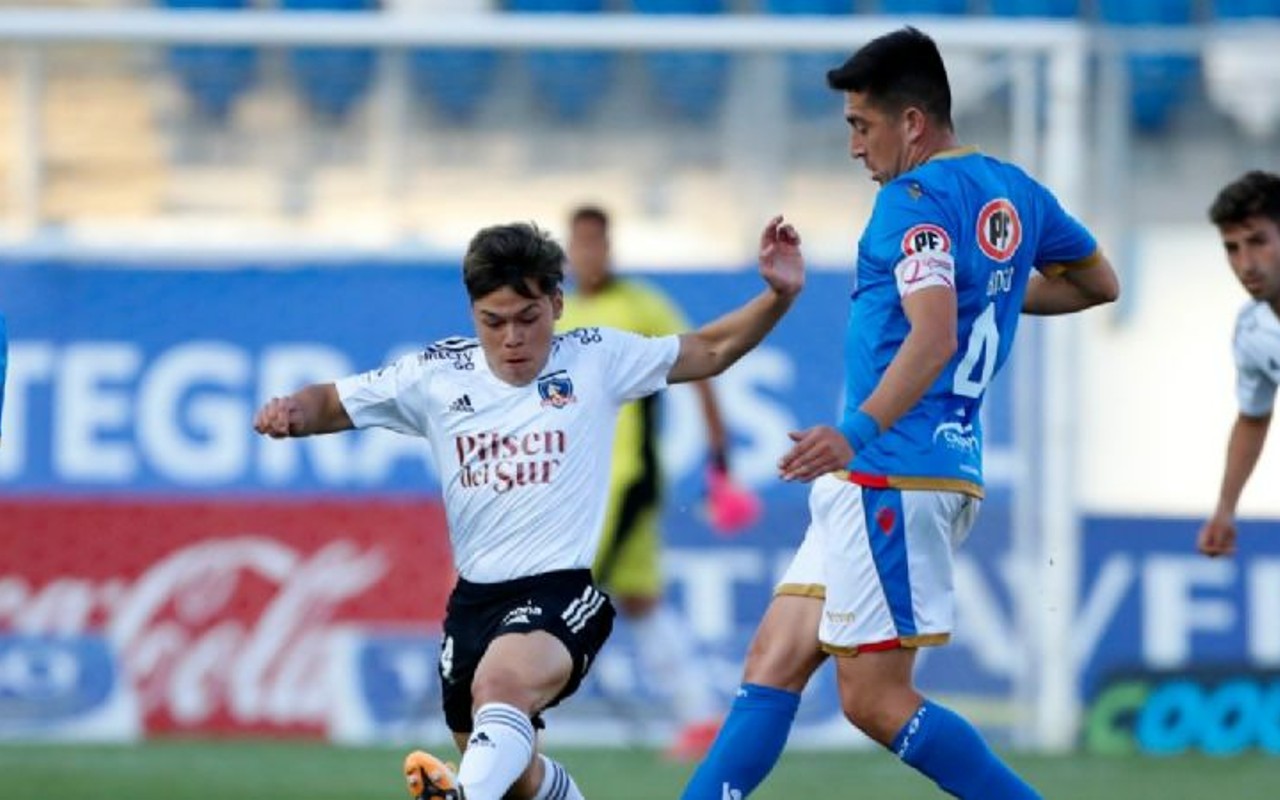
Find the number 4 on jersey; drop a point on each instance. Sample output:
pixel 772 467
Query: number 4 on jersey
pixel 984 343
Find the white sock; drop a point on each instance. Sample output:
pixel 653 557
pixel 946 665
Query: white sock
pixel 499 750
pixel 666 653
pixel 557 784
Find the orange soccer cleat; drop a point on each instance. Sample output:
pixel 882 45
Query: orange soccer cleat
pixel 428 777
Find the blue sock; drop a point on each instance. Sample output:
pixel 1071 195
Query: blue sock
pixel 941 744
pixel 749 744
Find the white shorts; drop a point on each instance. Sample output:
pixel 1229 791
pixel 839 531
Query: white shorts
pixel 881 560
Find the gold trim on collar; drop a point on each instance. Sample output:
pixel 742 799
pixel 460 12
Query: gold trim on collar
pixel 953 152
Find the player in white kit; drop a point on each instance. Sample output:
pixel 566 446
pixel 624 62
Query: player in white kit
pixel 520 422
pixel 1247 214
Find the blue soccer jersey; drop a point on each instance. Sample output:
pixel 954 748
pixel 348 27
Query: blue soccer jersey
pixel 980 226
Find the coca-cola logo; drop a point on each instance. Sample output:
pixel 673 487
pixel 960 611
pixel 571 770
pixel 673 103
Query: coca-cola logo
pixel 238 626
pixel 225 616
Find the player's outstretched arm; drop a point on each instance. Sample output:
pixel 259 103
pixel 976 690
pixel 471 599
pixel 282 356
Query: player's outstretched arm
pixel 711 349
pixel 1073 289
pixel 1218 535
pixel 313 409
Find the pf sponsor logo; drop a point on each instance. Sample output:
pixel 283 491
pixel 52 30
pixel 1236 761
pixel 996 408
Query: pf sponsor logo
pixel 926 238
pixel 999 230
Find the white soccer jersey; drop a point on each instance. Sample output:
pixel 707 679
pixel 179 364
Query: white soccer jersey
pixel 524 469
pixel 1257 352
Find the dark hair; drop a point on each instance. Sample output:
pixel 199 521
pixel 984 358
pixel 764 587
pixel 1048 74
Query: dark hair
pixel 1255 193
pixel 896 71
pixel 594 214
pixel 510 256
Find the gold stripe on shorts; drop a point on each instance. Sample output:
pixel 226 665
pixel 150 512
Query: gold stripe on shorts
pixel 904 642
pixel 815 590
pixel 910 483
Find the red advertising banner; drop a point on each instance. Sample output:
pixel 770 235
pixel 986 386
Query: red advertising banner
pixel 225 616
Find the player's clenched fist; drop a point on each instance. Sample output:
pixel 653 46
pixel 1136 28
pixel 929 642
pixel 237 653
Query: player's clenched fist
pixel 279 418
pixel 1217 537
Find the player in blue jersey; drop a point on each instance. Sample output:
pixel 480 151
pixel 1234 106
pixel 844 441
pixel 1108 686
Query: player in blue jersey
pixel 958 245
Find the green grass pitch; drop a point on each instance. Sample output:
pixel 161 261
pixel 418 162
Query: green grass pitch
pixel 270 770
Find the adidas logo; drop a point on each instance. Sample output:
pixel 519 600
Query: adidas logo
pixel 481 739
pixel 462 404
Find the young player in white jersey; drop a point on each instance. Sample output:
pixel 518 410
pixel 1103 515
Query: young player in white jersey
pixel 1247 214
pixel 520 422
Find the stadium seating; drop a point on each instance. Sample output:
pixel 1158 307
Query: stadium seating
pixel 971 80
pixel 1159 82
pixel 806 72
pixel 689 85
pixel 103 153
pixel 454 82
pixel 1243 78
pixel 331 80
pixel 569 82
pixel 1246 9
pixel 213 77
pixel 1059 9
pixel 924 6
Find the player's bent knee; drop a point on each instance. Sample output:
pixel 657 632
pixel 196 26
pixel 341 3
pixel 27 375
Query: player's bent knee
pixel 877 718
pixel 878 708
pixel 781 662
pixel 507 686
pixel 860 709
pixel 527 671
pixel 785 652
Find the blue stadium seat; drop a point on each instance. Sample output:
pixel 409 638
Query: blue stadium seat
pixel 332 80
pixel 690 85
pixel 1160 82
pixel 212 77
pixel 571 82
pixel 924 6
pixel 454 82
pixel 1246 9
pixel 807 72
pixel 1059 9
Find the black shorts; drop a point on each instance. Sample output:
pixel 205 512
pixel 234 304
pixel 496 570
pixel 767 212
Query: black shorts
pixel 565 604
